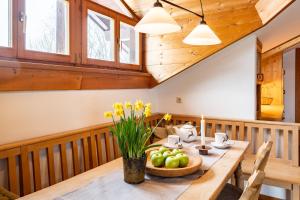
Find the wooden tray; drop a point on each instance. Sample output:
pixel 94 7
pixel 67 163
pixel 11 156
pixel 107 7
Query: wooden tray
pixel 193 166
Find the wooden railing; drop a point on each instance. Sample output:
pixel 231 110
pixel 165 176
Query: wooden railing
pixel 37 163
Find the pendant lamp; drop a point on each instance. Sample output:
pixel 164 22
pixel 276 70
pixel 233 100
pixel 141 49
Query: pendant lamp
pixel 202 35
pixel 157 21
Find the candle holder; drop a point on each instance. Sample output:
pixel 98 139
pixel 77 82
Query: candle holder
pixel 203 149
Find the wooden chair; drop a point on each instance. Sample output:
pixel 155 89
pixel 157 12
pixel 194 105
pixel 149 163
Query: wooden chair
pixel 251 191
pixel 262 156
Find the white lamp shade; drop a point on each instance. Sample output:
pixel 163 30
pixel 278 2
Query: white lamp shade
pixel 157 22
pixel 202 35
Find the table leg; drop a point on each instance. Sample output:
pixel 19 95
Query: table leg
pixel 239 182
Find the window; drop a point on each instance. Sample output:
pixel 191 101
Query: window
pixel 47 26
pixel 6 23
pixel 51 31
pixel 100 29
pixel 129 44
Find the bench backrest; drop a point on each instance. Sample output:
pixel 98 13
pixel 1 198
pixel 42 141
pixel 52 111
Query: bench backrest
pixel 37 163
pixel 285 136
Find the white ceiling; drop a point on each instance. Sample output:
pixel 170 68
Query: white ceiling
pixel 284 27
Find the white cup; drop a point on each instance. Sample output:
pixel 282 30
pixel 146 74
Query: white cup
pixel 173 140
pixel 220 138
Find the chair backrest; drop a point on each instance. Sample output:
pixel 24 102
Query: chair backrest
pixel 262 156
pixel 252 189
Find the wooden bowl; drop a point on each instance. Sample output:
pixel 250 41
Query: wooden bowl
pixel 193 166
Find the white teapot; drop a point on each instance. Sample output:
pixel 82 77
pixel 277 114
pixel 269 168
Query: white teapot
pixel 187 132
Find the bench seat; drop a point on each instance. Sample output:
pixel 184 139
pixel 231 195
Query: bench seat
pixel 276 170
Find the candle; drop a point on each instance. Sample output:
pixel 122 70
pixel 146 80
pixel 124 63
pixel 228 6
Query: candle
pixel 202 131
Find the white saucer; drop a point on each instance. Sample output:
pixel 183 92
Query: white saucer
pixel 225 145
pixel 171 146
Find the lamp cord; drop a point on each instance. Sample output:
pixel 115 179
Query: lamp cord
pixel 202 10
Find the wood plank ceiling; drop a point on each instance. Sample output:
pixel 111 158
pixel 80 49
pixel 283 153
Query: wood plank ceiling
pixel 167 55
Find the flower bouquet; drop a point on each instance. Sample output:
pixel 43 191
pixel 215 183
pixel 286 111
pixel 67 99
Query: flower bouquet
pixel 133 133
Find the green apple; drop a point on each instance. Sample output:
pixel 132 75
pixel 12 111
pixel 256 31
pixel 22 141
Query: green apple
pixel 153 152
pixel 183 159
pixel 163 149
pixel 172 162
pixel 177 151
pixel 167 154
pixel 157 160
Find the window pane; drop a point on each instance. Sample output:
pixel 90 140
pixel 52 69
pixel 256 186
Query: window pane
pixel 100 36
pixel 5 23
pixel 47 26
pixel 129 44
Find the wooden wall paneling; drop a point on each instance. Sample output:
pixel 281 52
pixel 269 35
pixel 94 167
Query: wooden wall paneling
pixel 272 86
pixel 297 86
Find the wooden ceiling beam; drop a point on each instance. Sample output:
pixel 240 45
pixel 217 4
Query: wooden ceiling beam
pixel 283 46
pixel 268 9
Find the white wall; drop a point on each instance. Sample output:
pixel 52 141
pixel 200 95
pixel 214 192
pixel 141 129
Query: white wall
pixel 26 115
pixel 289 63
pixel 224 85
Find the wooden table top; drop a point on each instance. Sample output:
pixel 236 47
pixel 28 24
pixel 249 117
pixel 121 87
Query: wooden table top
pixel 207 186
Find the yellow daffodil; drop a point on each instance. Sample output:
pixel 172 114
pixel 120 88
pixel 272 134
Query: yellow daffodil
pixel 119 112
pixel 118 106
pixel 167 117
pixel 148 105
pixel 128 105
pixel 108 114
pixel 147 112
pixel 138 105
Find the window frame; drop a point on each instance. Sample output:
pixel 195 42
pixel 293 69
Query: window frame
pixel 12 51
pixel 87 5
pixel 117 17
pixel 132 22
pixel 44 56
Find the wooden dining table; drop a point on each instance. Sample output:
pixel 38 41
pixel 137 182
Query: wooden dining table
pixel 208 186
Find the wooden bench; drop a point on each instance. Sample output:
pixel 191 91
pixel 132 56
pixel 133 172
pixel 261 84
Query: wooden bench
pixel 34 164
pixel 36 161
pixel 283 168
